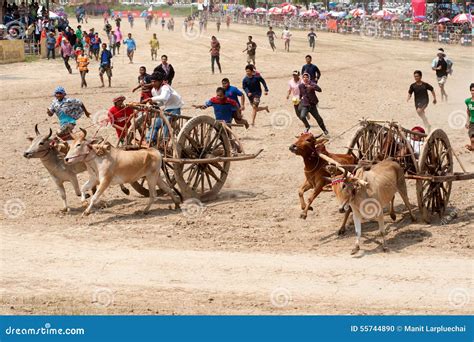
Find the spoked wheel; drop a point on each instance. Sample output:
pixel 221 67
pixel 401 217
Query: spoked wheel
pixel 436 160
pixel 202 137
pixel 165 141
pixel 367 142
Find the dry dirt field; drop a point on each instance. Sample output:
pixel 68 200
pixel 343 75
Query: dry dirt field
pixel 248 252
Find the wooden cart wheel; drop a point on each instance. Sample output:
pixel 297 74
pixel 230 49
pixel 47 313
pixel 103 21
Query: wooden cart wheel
pixel 367 142
pixel 165 143
pixel 436 160
pixel 202 137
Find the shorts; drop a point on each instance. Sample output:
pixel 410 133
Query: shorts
pixel 471 130
pixel 250 58
pixel 64 132
pixel 254 100
pixel 130 52
pixel 442 80
pixel 237 115
pixel 105 70
pixel 421 105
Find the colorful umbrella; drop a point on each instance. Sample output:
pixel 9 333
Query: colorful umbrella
pixel 248 10
pixel 288 9
pixel 444 20
pixel 383 14
pixel 260 10
pixel 274 10
pixel 309 13
pixel 357 12
pixel 462 18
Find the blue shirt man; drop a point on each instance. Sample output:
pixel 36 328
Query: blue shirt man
pixel 311 69
pixel 224 107
pixel 233 93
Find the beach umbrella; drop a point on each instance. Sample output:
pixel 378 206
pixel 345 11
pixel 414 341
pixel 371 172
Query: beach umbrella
pixel 383 14
pixel 323 16
pixel 248 10
pixel 288 9
pixel 260 10
pixel 444 20
pixel 284 4
pixel 357 12
pixel 419 18
pixel 309 13
pixel 462 18
pixel 274 10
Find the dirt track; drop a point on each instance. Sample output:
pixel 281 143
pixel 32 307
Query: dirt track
pixel 248 251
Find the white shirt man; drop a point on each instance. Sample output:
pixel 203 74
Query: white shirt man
pixel 168 98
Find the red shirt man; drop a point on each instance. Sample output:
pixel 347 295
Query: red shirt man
pixel 118 116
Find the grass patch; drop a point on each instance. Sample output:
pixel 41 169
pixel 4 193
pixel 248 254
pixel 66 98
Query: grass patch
pixel 32 58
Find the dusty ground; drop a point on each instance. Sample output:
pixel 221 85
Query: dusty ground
pixel 247 252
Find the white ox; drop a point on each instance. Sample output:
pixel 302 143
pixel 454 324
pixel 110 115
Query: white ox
pixel 109 166
pixel 369 192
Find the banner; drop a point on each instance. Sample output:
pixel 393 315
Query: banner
pixel 332 25
pixel 419 8
pixel 236 328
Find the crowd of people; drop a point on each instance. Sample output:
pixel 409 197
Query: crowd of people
pixel 229 101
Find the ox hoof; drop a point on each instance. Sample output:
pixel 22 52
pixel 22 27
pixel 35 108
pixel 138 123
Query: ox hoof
pixel 385 249
pixel 310 208
pixel 393 217
pixel 355 250
pixel 413 219
pixel 341 231
pixel 145 212
pixel 85 204
pixel 64 210
pixel 303 216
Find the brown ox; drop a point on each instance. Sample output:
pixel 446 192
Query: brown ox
pixel 368 192
pixel 309 147
pixel 108 166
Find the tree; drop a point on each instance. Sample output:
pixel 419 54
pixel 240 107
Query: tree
pixel 250 3
pixel 302 2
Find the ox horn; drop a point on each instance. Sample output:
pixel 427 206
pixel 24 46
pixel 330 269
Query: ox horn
pixel 318 136
pixel 83 132
pixel 37 130
pixel 50 133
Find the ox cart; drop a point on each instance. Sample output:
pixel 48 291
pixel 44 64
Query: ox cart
pixel 428 159
pixel 197 151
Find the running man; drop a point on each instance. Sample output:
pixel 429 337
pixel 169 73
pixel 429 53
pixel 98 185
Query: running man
pixel 105 65
pixel 218 24
pixel 144 83
pixel 286 36
pixel 271 38
pixel 309 102
pixel 95 45
pixel 67 110
pixel 66 53
pixel 82 63
pixel 311 69
pixel 294 92
pixel 215 53
pixel 312 38
pixel 470 117
pixel 155 46
pixel 234 93
pixel 251 85
pixel 422 100
pixel 131 47
pixel 251 50
pixel 442 66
